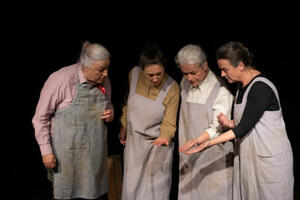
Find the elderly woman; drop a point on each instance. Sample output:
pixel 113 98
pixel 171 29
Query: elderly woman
pixel 263 165
pixel 207 175
pixel 148 126
pixel 69 125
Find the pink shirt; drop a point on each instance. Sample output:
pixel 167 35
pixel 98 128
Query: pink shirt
pixel 58 93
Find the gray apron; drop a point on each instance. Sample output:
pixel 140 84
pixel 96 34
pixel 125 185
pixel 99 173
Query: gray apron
pixel 263 163
pixel 207 174
pixel 147 167
pixel 80 147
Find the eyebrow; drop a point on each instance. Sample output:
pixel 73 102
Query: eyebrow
pixel 153 73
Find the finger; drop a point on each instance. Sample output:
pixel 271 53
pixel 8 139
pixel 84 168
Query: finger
pixel 197 149
pixel 186 146
pixel 156 143
pixel 194 150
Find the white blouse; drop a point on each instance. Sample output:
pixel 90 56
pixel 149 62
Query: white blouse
pixel 223 102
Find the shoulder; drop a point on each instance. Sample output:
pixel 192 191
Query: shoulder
pixel 134 69
pixel 64 73
pixel 260 88
pixel 63 77
pixel 174 88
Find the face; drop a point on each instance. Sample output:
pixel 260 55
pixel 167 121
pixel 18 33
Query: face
pixel 154 73
pixel 230 72
pixel 97 73
pixel 194 74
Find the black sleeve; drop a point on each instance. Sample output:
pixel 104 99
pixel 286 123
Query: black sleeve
pixel 260 98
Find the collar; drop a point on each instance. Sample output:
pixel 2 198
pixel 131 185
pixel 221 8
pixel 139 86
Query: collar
pixel 207 83
pixel 80 74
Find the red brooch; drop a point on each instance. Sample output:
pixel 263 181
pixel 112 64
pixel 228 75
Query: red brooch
pixel 103 90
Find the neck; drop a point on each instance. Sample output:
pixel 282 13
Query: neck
pixel 248 76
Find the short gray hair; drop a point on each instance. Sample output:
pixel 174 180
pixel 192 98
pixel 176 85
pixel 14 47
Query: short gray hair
pixel 92 52
pixel 190 55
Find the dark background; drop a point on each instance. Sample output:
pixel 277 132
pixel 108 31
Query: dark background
pixel 44 41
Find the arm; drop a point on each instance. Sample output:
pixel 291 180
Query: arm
pixel 50 97
pixel 200 144
pixel 108 114
pixel 168 126
pixel 222 104
pixel 260 98
pixel 123 131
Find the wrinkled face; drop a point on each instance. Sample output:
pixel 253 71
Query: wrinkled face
pixel 154 73
pixel 194 74
pixel 97 73
pixel 230 72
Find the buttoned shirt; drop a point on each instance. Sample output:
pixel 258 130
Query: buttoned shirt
pixel 223 102
pixel 171 102
pixel 58 93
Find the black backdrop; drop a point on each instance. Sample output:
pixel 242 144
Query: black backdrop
pixel 43 45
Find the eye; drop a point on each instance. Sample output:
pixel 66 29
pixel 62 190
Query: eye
pixel 225 69
pixel 150 75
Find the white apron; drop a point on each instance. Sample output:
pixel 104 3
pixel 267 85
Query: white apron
pixel 147 168
pixel 80 146
pixel 208 174
pixel 263 163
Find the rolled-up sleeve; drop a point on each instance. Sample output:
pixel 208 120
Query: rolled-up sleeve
pixel 222 104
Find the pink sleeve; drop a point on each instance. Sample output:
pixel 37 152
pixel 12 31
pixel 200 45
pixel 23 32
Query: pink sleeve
pixel 49 99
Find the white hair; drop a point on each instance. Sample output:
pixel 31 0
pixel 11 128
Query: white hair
pixel 91 53
pixel 190 55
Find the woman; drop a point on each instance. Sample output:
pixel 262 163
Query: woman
pixel 148 126
pixel 206 175
pixel 70 128
pixel 263 165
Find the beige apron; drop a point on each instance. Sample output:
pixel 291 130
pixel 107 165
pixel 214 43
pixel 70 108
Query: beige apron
pixel 147 168
pixel 208 174
pixel 263 163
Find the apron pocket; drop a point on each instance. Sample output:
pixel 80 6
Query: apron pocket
pixel 75 137
pixel 163 154
pixel 269 169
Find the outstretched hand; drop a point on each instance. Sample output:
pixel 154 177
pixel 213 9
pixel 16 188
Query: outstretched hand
pixel 193 146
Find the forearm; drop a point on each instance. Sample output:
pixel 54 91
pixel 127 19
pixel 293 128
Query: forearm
pixel 124 117
pixel 227 136
pixel 167 132
pixel 43 137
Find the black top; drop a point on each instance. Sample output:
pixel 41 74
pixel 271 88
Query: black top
pixel 260 98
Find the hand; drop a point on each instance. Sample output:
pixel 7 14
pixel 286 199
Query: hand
pixel 160 141
pixel 224 121
pixel 199 148
pixel 107 115
pixel 122 135
pixel 49 161
pixel 194 145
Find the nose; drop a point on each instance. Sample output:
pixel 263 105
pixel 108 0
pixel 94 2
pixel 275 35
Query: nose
pixel 155 79
pixel 223 73
pixel 189 77
pixel 105 73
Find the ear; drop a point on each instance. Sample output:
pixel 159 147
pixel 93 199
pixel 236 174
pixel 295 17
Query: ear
pixel 205 66
pixel 241 66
